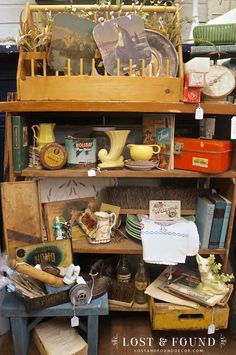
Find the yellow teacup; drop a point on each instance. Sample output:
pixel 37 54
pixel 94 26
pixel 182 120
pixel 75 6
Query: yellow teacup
pixel 143 151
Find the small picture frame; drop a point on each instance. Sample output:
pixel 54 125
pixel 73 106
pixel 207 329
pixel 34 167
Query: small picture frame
pixel 165 210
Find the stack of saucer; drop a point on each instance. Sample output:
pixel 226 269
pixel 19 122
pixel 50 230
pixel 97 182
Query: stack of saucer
pixel 141 164
pixel 133 226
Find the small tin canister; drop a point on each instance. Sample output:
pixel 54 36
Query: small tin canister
pixel 80 151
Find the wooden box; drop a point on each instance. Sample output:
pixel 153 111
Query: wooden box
pixel 167 316
pixel 36 82
pixel 56 336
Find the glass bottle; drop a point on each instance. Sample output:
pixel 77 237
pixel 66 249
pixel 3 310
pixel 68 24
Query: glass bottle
pixel 123 269
pixel 141 282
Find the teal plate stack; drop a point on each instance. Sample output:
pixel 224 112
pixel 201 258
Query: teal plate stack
pixel 133 226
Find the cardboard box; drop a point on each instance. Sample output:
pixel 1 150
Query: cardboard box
pixel 167 316
pixel 55 337
pixel 203 155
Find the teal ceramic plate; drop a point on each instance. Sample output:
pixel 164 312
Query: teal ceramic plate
pixel 133 219
pixel 132 234
pixel 131 227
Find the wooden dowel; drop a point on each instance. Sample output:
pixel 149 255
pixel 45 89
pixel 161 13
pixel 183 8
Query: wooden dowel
pixel 118 66
pixel 130 66
pixel 68 66
pixel 167 67
pixel 44 67
pixel 93 67
pixel 32 67
pixel 125 8
pixel 81 62
pixel 143 73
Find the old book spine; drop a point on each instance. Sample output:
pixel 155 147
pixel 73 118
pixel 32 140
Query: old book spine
pixel 20 143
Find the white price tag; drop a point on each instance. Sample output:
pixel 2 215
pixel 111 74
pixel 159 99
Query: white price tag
pixel 199 113
pixel 233 127
pixel 91 172
pixel 74 321
pixel 211 329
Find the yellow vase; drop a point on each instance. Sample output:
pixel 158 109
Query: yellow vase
pixel 113 159
pixel 43 134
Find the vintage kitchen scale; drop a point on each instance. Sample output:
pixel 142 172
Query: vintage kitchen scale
pixel 219 83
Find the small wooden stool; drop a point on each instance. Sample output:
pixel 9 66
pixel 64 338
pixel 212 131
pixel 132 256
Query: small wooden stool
pixel 23 322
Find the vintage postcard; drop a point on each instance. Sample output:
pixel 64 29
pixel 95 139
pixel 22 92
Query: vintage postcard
pixel 165 210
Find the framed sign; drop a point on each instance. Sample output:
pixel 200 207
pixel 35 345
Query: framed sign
pixel 165 210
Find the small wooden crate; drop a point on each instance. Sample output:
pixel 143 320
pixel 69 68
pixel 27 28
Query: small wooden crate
pixel 35 84
pixel 166 316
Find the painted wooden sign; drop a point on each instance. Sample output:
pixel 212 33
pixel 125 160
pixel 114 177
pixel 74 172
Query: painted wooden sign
pixel 58 253
pixel 72 38
pixel 122 38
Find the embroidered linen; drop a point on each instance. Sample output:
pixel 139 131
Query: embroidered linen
pixel 168 243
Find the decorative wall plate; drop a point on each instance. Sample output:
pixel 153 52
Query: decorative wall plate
pixel 164 55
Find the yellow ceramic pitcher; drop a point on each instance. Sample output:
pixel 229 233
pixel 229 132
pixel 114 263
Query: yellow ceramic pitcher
pixel 44 134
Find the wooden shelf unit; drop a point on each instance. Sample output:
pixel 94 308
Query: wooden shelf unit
pixel 224 182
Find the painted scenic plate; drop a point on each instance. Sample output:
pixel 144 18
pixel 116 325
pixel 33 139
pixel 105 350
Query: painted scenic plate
pixel 164 55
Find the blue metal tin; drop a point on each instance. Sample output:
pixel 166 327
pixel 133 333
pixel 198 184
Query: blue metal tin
pixel 80 151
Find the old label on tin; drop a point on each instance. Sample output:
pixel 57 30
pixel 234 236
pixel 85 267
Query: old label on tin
pixel 53 156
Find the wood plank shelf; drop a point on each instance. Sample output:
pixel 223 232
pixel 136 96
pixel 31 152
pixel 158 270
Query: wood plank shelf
pixel 115 106
pixel 126 246
pixel 123 173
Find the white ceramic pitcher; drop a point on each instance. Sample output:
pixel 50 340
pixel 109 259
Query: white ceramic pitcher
pixel 105 223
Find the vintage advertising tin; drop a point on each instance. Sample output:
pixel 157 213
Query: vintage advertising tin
pixel 80 151
pixel 203 155
pixel 53 156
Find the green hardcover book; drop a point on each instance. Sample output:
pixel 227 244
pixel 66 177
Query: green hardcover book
pixel 20 143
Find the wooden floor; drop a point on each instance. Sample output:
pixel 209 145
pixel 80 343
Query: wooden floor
pixel 119 333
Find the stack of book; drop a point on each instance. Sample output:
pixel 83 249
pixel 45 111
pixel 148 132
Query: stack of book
pixel 179 285
pixel 212 218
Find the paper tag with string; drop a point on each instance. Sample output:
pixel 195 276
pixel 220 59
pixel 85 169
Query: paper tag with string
pixel 199 113
pixel 211 328
pixel 74 320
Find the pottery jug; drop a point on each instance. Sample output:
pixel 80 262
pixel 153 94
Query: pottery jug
pixel 43 134
pixel 143 151
pixel 105 223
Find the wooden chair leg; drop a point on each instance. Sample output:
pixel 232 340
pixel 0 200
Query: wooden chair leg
pixel 92 335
